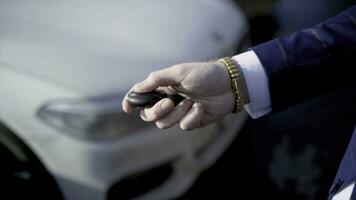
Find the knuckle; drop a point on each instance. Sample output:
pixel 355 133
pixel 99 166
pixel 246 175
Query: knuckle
pixel 156 112
pixel 184 106
pixel 135 86
pixel 150 115
pixel 180 69
pixel 183 65
pixel 152 76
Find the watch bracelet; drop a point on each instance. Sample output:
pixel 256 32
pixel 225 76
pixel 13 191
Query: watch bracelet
pixel 237 82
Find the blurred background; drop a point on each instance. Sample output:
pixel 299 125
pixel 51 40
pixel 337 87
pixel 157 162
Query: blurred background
pixel 66 65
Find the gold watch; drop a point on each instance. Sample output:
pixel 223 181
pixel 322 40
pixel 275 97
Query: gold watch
pixel 237 82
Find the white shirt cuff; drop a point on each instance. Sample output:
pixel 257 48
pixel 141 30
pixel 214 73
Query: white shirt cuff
pixel 345 194
pixel 257 84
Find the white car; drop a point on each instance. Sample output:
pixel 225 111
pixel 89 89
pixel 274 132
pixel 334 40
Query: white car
pixel 64 69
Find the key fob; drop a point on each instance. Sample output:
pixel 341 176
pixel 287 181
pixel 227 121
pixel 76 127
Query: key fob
pixel 148 99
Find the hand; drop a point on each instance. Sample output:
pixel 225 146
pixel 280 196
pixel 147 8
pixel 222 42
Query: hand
pixel 207 90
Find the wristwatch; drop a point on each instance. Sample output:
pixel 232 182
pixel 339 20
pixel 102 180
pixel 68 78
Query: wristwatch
pixel 238 83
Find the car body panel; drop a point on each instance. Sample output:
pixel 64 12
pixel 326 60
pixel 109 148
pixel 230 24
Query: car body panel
pixel 120 40
pixel 54 50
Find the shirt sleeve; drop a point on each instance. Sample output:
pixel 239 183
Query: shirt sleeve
pixel 257 84
pixel 346 193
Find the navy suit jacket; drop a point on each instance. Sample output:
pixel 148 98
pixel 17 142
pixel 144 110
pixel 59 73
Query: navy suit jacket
pixel 310 47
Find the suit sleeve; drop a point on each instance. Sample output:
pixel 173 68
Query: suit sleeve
pixel 310 46
pixel 311 62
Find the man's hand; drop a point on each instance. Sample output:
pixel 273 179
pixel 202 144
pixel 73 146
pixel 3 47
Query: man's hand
pixel 207 90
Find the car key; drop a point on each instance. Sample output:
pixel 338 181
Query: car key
pixel 148 99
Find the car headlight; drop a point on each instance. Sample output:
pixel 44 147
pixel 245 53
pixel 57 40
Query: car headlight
pixel 91 118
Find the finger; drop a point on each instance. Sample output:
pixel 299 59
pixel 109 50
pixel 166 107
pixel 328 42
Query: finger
pixel 126 106
pixel 158 110
pixel 166 90
pixel 164 77
pixel 175 115
pixel 192 119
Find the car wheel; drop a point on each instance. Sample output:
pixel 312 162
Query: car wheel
pixel 22 175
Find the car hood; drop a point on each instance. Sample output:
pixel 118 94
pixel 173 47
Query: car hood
pixel 103 46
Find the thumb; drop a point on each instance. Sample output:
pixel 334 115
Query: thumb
pixel 164 77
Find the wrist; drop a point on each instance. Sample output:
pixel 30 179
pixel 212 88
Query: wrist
pixel 225 82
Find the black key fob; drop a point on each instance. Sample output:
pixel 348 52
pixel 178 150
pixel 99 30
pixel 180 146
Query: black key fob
pixel 148 99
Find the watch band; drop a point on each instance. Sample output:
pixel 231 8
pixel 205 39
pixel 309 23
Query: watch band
pixel 237 82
